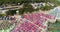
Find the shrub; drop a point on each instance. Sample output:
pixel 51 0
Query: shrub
pixel 46 7
pixel 2 14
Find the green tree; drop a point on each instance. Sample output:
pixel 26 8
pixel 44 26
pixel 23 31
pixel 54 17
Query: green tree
pixel 11 12
pixel 46 7
pixel 27 8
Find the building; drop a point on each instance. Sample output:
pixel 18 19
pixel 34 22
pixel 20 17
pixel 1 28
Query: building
pixel 57 12
pixel 37 5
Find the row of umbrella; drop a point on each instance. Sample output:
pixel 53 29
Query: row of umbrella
pixel 33 22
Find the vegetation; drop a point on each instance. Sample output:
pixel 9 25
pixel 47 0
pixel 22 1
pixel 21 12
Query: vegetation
pixel 46 7
pixel 27 1
pixel 27 8
pixel 56 2
pixel 11 12
pixel 2 14
pixel 55 27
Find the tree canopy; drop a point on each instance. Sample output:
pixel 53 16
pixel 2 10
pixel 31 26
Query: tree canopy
pixel 27 1
pixel 27 8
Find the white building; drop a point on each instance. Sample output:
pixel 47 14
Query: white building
pixel 57 12
pixel 37 5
